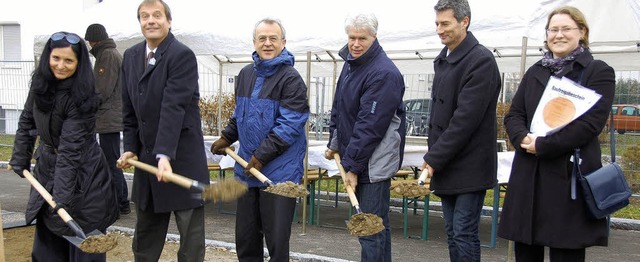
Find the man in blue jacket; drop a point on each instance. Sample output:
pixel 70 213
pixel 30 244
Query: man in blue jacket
pixel 368 126
pixel 269 121
pixel 462 152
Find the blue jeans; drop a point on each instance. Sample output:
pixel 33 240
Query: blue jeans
pixel 374 199
pixel 461 220
pixel 110 144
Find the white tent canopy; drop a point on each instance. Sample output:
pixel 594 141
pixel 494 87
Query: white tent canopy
pixel 221 32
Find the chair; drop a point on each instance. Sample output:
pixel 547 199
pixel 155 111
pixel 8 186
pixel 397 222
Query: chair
pixel 405 207
pixel 312 177
pixel 221 176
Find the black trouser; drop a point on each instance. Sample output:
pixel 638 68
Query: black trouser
pixel 49 247
pixel 151 231
pixel 110 144
pixel 263 215
pixel 534 253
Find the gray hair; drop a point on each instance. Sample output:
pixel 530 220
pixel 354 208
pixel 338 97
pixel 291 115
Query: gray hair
pixel 270 21
pixel 460 8
pixel 368 22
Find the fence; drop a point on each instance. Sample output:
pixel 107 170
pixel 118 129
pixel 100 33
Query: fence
pixel 15 77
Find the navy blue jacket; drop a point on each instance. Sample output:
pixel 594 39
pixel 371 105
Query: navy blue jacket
pixel 269 120
pixel 462 128
pixel 368 116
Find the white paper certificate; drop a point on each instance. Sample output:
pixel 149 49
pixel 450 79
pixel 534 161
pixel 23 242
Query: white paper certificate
pixel 562 102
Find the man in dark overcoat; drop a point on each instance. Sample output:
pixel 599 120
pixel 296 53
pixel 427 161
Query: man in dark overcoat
pixel 462 152
pixel 162 127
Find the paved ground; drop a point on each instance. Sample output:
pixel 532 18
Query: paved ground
pixel 330 241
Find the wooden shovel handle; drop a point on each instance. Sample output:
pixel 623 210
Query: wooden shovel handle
pixel 243 163
pixel 352 195
pixel 171 177
pixel 423 176
pixel 45 194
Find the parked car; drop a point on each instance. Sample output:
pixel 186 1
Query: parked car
pixel 418 113
pixel 626 117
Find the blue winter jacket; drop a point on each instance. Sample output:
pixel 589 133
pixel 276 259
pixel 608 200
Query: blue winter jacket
pixel 368 116
pixel 271 111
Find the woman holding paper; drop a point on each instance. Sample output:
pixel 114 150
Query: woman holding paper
pixel 538 210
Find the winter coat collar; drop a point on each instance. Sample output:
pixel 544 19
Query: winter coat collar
pixel 366 57
pixel 102 45
pixel 266 68
pixel 459 52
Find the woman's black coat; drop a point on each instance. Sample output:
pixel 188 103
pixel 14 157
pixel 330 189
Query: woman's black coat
pixel 538 208
pixel 72 169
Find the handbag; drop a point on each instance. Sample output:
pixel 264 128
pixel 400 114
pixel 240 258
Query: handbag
pixel 605 190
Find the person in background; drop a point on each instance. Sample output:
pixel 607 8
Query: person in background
pixel 368 126
pixel 538 211
pixel 462 156
pixel 61 111
pixel 162 127
pixel 269 120
pixel 109 117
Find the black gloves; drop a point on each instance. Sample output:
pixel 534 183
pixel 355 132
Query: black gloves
pixel 219 145
pixel 18 170
pixel 255 163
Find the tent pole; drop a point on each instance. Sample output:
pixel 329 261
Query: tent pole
pixel 306 155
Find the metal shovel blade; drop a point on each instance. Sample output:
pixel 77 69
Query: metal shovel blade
pixel 96 242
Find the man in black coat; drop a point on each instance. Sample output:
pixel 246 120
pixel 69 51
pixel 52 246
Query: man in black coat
pixel 462 154
pixel 162 127
pixel 109 117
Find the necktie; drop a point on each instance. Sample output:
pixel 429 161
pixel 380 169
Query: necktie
pixel 149 57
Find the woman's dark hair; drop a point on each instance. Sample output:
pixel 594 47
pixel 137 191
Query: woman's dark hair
pixel 43 81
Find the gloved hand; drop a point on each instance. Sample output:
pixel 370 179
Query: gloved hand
pixel 254 163
pixel 18 170
pixel 219 145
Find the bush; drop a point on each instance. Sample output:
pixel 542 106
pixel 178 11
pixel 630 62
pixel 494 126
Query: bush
pixel 630 163
pixel 209 112
pixel 501 110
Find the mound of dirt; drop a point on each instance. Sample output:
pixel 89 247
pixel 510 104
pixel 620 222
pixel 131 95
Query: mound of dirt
pixel 19 241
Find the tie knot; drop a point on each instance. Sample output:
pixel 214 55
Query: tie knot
pixel 150 55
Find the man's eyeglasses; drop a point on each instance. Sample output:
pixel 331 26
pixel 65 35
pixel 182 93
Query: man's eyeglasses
pixel 71 37
pixel 564 30
pixel 272 39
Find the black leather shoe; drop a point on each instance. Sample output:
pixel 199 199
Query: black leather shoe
pixel 125 210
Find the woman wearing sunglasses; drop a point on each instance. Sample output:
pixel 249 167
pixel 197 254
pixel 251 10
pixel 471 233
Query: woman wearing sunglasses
pixel 69 163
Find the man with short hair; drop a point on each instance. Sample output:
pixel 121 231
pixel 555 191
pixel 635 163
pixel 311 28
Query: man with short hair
pixel 162 127
pixel 462 156
pixel 109 117
pixel 368 126
pixel 269 120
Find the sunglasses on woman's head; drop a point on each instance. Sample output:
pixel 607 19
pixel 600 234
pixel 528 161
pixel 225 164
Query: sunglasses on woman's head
pixel 71 37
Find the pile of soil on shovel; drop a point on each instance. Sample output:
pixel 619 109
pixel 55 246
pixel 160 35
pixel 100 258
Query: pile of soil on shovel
pixel 288 189
pixel 99 243
pixel 228 190
pixel 410 189
pixel 364 224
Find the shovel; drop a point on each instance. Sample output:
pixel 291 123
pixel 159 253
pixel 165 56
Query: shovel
pixel 361 224
pixel 97 242
pixel 226 190
pixel 287 189
pixel 412 189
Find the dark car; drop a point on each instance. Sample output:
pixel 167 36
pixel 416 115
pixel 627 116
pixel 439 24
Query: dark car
pixel 418 112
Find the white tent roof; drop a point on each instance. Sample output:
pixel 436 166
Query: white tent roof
pixel 222 31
